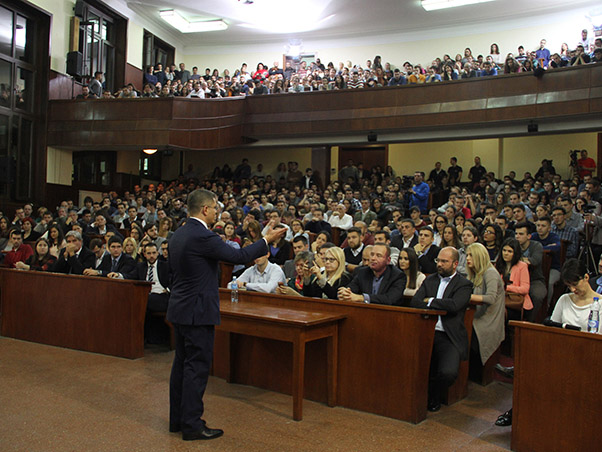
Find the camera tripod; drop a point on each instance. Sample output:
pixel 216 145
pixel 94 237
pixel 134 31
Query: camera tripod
pixel 586 254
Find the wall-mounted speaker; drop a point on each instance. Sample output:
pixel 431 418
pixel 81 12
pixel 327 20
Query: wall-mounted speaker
pixel 75 64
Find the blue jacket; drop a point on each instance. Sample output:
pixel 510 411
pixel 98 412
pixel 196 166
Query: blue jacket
pixel 194 255
pixel 421 197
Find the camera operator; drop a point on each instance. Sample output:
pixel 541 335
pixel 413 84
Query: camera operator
pixel 585 165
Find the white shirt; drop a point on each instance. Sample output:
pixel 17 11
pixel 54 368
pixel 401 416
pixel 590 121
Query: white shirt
pixel 265 282
pixel 568 312
pixel 345 222
pixel 443 283
pixel 157 287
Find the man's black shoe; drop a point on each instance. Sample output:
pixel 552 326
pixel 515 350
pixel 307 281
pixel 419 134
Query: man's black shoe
pixel 174 428
pixel 504 420
pixel 203 433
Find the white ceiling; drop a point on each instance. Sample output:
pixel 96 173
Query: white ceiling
pixel 340 19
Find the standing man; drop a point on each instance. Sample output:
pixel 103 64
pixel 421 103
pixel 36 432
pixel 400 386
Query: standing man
pixel 585 165
pixel 419 193
pixel 476 172
pixel 449 291
pixel 454 171
pixel 95 84
pixel 194 309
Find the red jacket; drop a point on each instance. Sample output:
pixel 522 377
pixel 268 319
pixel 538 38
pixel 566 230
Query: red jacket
pixel 19 255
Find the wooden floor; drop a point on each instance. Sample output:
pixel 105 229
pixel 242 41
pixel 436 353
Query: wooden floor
pixel 53 399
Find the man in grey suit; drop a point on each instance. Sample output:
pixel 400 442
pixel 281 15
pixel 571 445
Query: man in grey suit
pixel 194 255
pixel 448 291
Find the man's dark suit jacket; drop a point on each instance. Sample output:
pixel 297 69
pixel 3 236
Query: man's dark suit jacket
pixel 194 255
pixel 140 272
pixel 317 227
pixel 456 299
pixel 391 288
pixel 397 241
pixel 110 227
pixel 77 264
pixel 427 261
pixel 125 265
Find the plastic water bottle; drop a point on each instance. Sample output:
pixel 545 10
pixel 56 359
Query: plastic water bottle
pixel 593 324
pixel 234 292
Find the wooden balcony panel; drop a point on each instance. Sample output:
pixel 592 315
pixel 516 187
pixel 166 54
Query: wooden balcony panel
pixel 511 101
pixel 65 110
pixel 511 113
pixel 596 75
pixel 563 80
pixel 577 107
pixel 151 124
pixel 180 139
pixel 595 105
pixel 113 125
pixel 510 85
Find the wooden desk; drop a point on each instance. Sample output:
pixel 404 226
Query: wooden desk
pixel 87 313
pixel 557 395
pixel 384 354
pixel 290 325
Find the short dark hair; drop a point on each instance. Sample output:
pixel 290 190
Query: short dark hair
pixel 524 224
pixel 115 239
pixel 546 219
pixel 300 238
pixel 96 243
pixel 354 229
pixel 386 233
pixel 573 271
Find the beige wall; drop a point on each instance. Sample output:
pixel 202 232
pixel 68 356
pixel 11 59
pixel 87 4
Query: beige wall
pixel 497 155
pixel 128 162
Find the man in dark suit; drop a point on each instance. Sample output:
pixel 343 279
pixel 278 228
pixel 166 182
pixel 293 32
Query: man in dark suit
pixel 378 283
pixel 115 262
pixel 194 254
pixel 156 272
pixel 448 291
pixel 101 227
pixel 407 237
pixel 427 251
pixel 74 258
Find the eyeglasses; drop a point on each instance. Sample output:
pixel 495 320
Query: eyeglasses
pixel 329 259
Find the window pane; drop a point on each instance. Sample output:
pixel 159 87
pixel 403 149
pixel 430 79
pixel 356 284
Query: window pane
pixel 6 84
pixel 6 31
pixel 95 22
pixel 24 89
pixel 6 163
pixel 24 169
pixel 24 40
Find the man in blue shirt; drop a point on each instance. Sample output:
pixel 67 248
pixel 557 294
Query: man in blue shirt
pixel 488 69
pixel 542 54
pixel 419 193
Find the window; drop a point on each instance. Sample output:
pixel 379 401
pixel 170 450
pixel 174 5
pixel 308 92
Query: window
pixel 156 51
pixel 94 168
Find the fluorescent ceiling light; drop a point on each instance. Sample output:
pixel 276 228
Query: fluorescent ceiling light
pixel 432 5
pixel 174 19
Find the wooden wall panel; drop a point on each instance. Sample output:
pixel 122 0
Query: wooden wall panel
pixel 61 86
pixel 134 76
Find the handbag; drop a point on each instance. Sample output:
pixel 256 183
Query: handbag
pixel 514 301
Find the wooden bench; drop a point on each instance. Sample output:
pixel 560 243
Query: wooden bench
pixel 383 360
pixel 93 314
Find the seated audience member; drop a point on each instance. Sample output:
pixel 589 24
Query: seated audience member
pixel 328 281
pixel 574 308
pixel 101 227
pixel 450 237
pixel 131 219
pixel 384 238
pixel 353 252
pixel 488 288
pixel 74 258
pixel 55 239
pixel 407 237
pixel 492 238
pixel 300 244
pixel 427 251
pixel 19 251
pixel 438 226
pixel 41 260
pixel 97 246
pixel 340 218
pixel 504 224
pixel 532 255
pixel 515 274
pixel 264 276
pixel 416 217
pixel 156 272
pixel 365 214
pixel 164 254
pixel 469 236
pixel 29 235
pixel 448 291
pixel 378 283
pixel 303 261
pixel 565 232
pixel 322 238
pixel 130 247
pixel 551 242
pixel 408 263
pixel 281 250
pixel 115 263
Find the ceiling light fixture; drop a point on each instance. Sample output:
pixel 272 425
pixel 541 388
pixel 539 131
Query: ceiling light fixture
pixel 432 5
pixel 174 19
pixel 149 151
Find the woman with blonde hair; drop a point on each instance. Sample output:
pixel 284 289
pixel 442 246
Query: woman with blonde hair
pixel 488 288
pixel 130 247
pixel 327 283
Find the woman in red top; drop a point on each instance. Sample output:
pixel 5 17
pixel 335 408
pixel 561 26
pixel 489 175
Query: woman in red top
pixel 261 72
pixel 40 260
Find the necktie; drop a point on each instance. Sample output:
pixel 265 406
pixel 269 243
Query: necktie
pixel 150 274
pixel 114 265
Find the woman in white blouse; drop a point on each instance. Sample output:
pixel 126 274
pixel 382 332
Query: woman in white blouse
pixel 408 263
